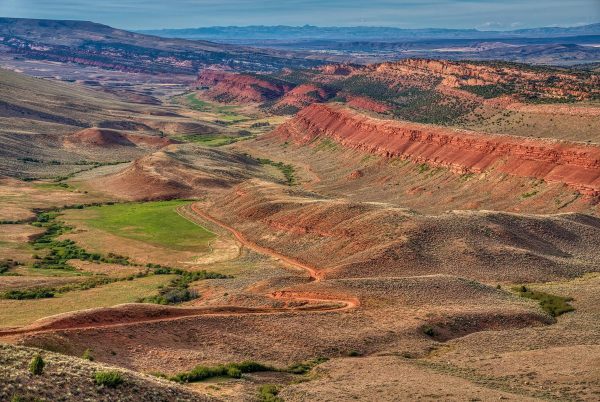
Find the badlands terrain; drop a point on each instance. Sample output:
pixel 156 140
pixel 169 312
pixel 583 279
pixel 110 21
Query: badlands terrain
pixel 293 230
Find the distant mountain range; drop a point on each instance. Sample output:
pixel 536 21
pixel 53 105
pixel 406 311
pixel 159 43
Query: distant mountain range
pixel 89 43
pixel 547 45
pixel 311 32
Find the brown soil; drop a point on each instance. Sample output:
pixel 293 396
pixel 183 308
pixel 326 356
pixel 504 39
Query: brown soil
pixel 99 137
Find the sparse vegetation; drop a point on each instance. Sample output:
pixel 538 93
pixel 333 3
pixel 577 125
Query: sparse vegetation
pixel 110 379
pixel 428 330
pixel 6 265
pixel 326 144
pixel 529 194
pixel 490 91
pixel 552 304
pixel 213 140
pixel 178 290
pixel 87 355
pixel 287 170
pixel 305 367
pixel 61 251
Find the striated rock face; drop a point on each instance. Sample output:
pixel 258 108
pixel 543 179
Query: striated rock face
pixel 229 87
pixel 303 95
pixel 575 165
pixel 522 81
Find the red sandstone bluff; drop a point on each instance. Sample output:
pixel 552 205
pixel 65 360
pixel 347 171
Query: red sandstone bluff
pixel 229 86
pixel 462 151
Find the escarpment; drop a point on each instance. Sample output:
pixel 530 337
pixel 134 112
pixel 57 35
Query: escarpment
pixel 575 165
pixel 229 87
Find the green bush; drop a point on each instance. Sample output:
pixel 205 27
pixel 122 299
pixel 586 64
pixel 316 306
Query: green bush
pixel 233 370
pixel 6 265
pixel 268 393
pixel 178 289
pixel 36 366
pixel 87 355
pixel 27 294
pixel 110 379
pixel 305 367
pixel 429 330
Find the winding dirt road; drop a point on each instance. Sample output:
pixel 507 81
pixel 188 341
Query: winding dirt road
pixel 120 316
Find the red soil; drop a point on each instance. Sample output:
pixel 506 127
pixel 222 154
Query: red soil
pixel 229 87
pixel 575 165
pixel 303 95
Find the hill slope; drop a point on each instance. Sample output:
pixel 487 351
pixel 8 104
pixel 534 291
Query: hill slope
pixel 94 44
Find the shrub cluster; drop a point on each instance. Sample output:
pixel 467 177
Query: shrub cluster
pixel 61 251
pixel 6 265
pixel 110 379
pixel 178 289
pixel 553 305
pixel 268 393
pixel 305 367
pixel 287 170
pixel 233 370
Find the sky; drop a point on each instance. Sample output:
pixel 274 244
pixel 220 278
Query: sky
pixel 154 14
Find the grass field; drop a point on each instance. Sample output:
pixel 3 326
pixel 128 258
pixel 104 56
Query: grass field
pixel 211 140
pixel 23 312
pixel 155 223
pixel 225 113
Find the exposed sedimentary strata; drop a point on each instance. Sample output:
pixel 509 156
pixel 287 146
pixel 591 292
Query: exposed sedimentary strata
pixel 303 95
pixel 462 151
pixel 240 87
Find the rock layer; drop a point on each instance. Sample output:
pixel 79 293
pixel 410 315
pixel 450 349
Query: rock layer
pixel 576 165
pixel 227 86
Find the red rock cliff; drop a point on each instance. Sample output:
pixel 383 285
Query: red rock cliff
pixel 227 86
pixel 576 165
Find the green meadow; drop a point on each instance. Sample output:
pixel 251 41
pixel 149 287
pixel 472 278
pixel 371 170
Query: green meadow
pixel 156 223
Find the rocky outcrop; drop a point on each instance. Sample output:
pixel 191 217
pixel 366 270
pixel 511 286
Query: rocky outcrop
pixel 523 80
pixel 231 87
pixel 303 95
pixel 461 151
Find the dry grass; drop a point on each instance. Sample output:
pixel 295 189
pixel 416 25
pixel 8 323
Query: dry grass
pixel 70 378
pixel 23 312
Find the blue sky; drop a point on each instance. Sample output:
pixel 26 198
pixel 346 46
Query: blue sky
pixel 482 14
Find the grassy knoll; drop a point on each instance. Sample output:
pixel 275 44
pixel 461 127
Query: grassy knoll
pixel 211 140
pixel 226 114
pixel 23 312
pixel 152 222
pixel 552 304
